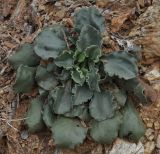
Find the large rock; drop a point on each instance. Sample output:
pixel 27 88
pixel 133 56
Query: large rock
pixel 147 32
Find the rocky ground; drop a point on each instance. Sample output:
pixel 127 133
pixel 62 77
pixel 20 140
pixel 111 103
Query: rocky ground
pixel 128 22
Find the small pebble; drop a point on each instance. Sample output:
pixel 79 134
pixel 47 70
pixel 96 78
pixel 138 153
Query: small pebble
pixel 24 134
pixel 97 150
pixel 150 124
pixel 158 142
pixel 2 92
pixel 149 147
pixel 156 125
pixel 149 132
pixel 151 137
pixel 51 1
pixel 58 4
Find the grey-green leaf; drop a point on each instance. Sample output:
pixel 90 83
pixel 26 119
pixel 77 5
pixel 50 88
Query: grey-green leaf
pixel 88 36
pixel 68 133
pixel 106 131
pixel 134 86
pixel 120 97
pixel 93 78
pixel 62 99
pixel 48 116
pixel 81 94
pixel 102 106
pixel 25 56
pixel 50 42
pixel 45 79
pixel 121 64
pixel 89 16
pixel 42 92
pixel 132 125
pixel 65 60
pixel 24 79
pixel 78 76
pixel 85 116
pixel 139 93
pixel 93 52
pixel 34 119
pixel 75 111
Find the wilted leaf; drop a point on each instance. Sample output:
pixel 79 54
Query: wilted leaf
pixel 64 75
pixel 139 93
pixel 89 16
pixel 93 78
pixel 25 56
pixel 81 94
pixel 62 99
pixel 85 116
pixel 121 64
pixel 120 97
pixel 24 79
pixel 50 42
pixel 45 79
pixel 65 60
pixel 102 106
pixel 106 131
pixel 34 119
pixel 134 86
pixel 48 116
pixel 68 133
pixel 88 36
pixel 132 125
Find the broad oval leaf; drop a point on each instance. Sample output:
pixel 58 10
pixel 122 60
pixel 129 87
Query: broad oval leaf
pixel 50 42
pixel 48 116
pixel 68 133
pixel 132 125
pixel 62 99
pixel 81 94
pixel 78 76
pixel 93 52
pixel 65 60
pixel 88 36
pixel 75 111
pixel 51 67
pixel 93 78
pixel 102 106
pixel 25 56
pixel 34 119
pixel 45 79
pixel 106 131
pixel 24 79
pixel 89 16
pixel 121 64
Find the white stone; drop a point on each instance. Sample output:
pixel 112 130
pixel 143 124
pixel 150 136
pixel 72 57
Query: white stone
pixel 124 147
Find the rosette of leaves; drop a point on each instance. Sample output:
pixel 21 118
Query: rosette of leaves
pixel 77 82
